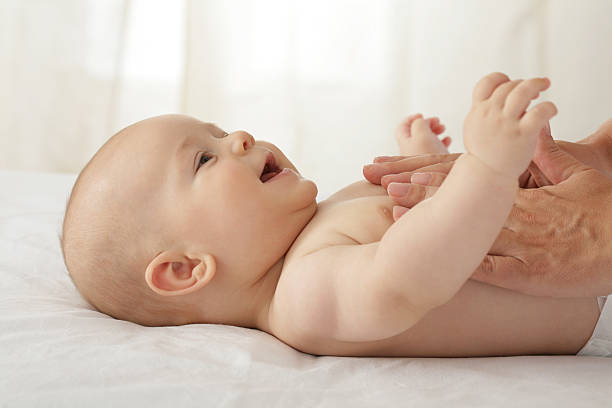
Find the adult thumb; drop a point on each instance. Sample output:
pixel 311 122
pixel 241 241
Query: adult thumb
pixel 556 164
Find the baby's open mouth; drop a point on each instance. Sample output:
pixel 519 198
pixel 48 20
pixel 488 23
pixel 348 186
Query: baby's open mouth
pixel 270 169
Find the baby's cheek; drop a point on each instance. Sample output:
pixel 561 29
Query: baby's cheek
pixel 240 196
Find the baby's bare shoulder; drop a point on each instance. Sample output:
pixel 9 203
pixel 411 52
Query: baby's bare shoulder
pixel 321 292
pixel 301 294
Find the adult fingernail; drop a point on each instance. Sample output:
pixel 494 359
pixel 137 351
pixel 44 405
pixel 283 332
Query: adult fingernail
pixel 398 189
pixel 420 178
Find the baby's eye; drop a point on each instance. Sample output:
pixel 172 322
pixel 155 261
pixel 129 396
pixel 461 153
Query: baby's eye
pixel 203 159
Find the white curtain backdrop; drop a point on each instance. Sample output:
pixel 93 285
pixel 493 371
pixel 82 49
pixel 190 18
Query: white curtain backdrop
pixel 327 81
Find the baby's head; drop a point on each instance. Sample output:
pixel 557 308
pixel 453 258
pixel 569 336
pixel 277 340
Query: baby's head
pixel 172 222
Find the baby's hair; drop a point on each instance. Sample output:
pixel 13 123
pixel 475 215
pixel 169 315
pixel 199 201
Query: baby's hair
pixel 105 254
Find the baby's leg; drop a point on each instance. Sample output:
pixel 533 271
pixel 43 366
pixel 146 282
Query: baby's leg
pixel 416 135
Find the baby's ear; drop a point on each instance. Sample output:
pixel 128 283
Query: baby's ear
pixel 172 273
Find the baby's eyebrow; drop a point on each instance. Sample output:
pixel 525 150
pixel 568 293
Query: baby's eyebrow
pixel 186 144
pixel 219 131
pixel 190 143
pixel 182 154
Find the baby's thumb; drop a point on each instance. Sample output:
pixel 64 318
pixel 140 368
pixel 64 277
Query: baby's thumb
pixel 555 164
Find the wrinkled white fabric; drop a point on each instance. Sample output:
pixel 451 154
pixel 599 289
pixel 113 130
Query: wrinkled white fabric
pixel 600 343
pixel 601 301
pixel 56 351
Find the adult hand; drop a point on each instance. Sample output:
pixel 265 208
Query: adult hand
pixel 427 172
pixel 557 240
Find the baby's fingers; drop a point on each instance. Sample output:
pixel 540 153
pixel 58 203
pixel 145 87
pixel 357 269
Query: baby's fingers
pixel 485 87
pixel 435 125
pixel 407 122
pixel 537 117
pixel 521 96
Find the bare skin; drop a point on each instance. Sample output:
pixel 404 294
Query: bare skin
pixel 424 140
pixel 479 320
pixel 252 248
pixel 531 252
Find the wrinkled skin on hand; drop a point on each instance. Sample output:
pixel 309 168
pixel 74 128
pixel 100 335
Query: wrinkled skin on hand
pixel 557 240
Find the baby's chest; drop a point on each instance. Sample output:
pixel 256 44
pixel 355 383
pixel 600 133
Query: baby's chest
pixel 358 219
pixel 364 219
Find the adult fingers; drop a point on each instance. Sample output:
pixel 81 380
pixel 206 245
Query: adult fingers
pixel 506 272
pixel 507 243
pixel 428 179
pixel 554 162
pixel 374 172
pixel 533 177
pixel 425 178
pixel 524 179
pixel 405 177
pixel 396 178
pixel 383 159
pixel 409 195
pixel 485 87
pixel 537 176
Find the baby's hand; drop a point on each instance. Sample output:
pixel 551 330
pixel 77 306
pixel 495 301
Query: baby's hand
pixel 497 129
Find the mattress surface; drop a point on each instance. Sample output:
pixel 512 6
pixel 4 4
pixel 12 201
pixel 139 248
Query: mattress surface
pixel 56 350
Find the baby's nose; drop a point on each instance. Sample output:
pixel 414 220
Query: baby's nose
pixel 242 141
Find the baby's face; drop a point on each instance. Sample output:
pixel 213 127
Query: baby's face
pixel 213 190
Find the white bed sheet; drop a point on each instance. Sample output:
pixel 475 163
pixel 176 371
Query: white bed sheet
pixel 57 351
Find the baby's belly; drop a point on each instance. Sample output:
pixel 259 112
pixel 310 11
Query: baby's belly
pixel 481 320
pixel 484 320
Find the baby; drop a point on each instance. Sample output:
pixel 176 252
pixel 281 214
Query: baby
pixel 175 221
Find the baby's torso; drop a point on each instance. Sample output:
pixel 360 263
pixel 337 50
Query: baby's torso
pixel 480 320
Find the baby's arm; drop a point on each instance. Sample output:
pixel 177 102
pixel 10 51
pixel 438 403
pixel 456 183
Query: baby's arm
pixel 429 253
pixel 376 291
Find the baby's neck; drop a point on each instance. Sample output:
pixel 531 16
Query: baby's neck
pixel 264 289
pixel 263 293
